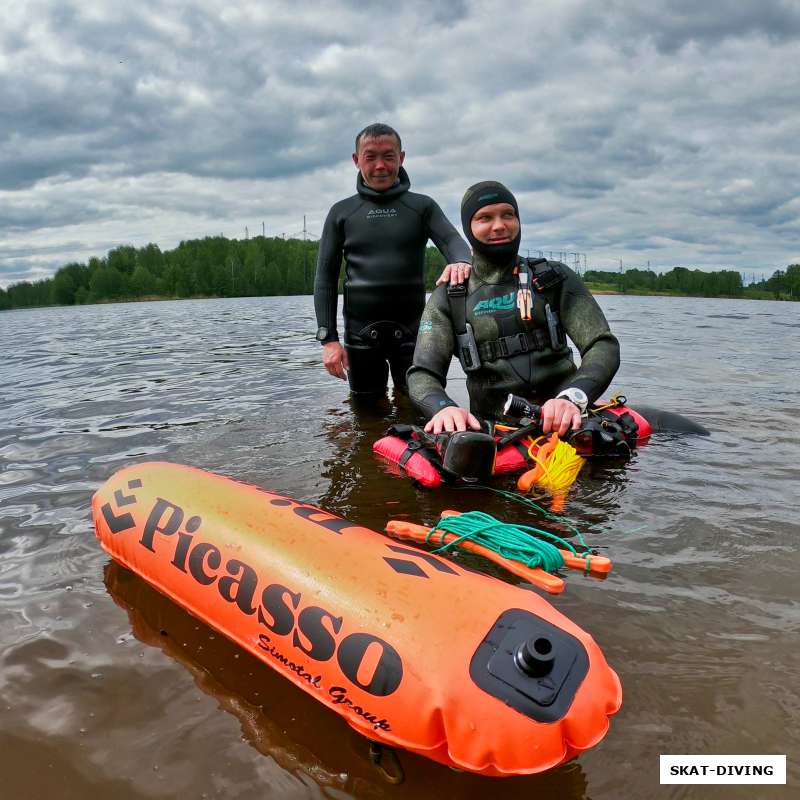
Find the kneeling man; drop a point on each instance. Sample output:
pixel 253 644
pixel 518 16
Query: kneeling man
pixel 508 325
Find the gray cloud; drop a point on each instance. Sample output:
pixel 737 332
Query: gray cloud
pixel 660 132
pixel 675 23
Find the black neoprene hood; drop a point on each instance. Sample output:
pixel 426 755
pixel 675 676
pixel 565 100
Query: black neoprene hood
pixel 487 193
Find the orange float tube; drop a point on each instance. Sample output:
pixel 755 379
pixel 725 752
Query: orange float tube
pixel 411 649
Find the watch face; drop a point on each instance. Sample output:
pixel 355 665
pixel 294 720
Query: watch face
pixel 576 396
pixel 322 333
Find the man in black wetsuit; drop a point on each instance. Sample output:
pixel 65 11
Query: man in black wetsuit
pixel 382 231
pixel 509 328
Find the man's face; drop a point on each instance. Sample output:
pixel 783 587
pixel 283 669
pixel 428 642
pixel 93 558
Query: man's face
pixel 379 161
pixel 495 224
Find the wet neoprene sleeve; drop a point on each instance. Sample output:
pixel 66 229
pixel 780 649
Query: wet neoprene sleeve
pixel 446 237
pixel 586 325
pixel 427 377
pixel 326 279
pixel 433 402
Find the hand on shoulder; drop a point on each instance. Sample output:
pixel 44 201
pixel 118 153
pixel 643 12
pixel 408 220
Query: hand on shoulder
pixel 454 274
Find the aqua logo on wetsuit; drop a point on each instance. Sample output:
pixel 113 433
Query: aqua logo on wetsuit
pixel 506 302
pixel 381 213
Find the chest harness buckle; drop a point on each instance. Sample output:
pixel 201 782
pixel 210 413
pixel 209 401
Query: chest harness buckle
pixel 537 274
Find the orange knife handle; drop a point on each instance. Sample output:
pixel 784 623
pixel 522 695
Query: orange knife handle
pixel 407 530
pixel 596 563
pixel 419 533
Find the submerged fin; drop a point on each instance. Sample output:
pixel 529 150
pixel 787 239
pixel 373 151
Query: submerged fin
pixel 670 422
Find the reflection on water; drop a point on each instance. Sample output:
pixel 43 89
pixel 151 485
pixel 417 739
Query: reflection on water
pixel 699 617
pixel 297 734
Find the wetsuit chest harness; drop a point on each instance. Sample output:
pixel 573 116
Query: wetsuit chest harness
pixel 530 273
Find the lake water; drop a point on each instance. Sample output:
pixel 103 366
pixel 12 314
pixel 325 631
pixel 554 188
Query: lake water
pixel 700 616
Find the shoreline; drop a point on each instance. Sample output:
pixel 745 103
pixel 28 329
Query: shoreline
pixel 646 293
pixel 593 291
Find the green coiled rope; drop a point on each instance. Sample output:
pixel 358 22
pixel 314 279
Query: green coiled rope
pixel 530 546
pixel 526 501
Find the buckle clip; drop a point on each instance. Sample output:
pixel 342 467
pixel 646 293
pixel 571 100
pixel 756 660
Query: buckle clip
pixel 459 290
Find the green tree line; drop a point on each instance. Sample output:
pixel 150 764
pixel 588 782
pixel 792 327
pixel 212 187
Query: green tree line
pixel 220 267
pixel 210 267
pixel 782 285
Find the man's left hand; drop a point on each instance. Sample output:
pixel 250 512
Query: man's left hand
pixel 452 419
pixel 455 273
pixel 560 415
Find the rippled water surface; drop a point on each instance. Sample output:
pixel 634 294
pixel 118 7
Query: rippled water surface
pixel 110 691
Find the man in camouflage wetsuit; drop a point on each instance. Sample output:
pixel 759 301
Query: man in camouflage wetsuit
pixel 509 329
pixel 381 231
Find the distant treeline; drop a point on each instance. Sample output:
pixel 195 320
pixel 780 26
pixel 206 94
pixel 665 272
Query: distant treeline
pixel 210 267
pixel 783 285
pixel 221 267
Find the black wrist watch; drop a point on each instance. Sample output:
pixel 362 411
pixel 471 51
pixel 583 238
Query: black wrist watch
pixel 324 335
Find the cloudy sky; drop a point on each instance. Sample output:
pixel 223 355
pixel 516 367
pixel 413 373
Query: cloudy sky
pixel 664 133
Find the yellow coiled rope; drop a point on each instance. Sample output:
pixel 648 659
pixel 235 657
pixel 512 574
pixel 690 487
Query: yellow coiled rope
pixel 557 467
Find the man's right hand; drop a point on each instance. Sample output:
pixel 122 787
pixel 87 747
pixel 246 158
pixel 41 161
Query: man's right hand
pixel 560 415
pixel 451 419
pixel 334 358
pixel 455 273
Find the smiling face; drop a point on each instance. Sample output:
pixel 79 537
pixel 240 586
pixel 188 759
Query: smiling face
pixel 379 161
pixel 495 224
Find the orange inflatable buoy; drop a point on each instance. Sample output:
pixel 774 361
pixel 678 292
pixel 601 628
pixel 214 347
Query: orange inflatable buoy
pixel 411 649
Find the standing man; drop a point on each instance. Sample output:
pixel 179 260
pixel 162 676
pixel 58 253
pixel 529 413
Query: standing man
pixel 381 231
